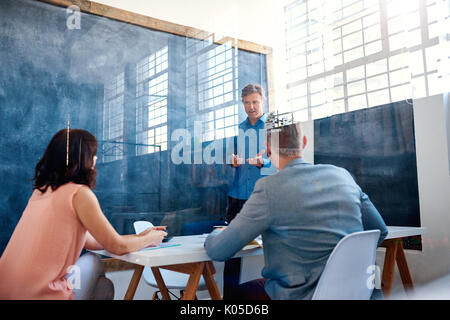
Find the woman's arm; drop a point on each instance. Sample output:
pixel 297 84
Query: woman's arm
pixel 91 243
pixel 89 212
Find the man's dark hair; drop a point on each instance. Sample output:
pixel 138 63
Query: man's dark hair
pixel 53 170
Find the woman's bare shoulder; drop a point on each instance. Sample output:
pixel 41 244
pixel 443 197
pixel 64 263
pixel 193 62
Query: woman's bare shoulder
pixel 83 195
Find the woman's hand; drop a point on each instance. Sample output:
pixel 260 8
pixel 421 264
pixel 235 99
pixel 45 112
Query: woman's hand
pixel 163 228
pixel 153 236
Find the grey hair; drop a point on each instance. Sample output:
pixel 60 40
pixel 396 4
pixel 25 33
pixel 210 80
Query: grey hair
pixel 253 88
pixel 290 139
pixel 290 151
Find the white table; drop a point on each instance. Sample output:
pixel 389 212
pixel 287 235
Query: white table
pixel 403 232
pixel 190 257
pixel 187 256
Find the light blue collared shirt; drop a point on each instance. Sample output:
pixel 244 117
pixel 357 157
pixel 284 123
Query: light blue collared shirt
pixel 246 175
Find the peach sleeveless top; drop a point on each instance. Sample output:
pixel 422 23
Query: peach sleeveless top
pixel 46 242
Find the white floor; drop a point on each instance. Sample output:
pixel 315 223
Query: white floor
pixel 438 289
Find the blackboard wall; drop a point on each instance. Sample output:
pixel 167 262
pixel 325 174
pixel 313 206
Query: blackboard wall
pixel 49 73
pixel 377 146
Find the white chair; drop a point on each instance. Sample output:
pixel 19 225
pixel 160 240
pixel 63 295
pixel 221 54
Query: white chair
pixel 172 279
pixel 346 275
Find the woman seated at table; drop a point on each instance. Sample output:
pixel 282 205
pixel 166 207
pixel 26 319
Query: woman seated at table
pixel 63 216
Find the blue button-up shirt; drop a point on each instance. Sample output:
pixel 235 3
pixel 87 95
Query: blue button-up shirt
pixel 250 141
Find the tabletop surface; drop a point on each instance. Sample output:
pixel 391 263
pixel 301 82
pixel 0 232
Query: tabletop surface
pixel 401 232
pixel 186 249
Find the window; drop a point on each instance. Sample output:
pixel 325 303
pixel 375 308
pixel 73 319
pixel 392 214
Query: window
pixel 151 105
pixel 364 53
pixel 113 113
pixel 212 96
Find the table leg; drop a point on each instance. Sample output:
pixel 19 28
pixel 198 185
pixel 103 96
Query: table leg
pixel 403 268
pixel 395 253
pixel 192 285
pixel 134 282
pixel 389 265
pixel 195 271
pixel 161 285
pixel 208 275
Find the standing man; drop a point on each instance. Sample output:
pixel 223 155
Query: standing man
pixel 302 212
pixel 246 172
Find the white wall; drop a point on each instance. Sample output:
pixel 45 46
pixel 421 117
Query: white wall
pixel 261 21
pixel 434 198
pixel 446 97
pixel 434 187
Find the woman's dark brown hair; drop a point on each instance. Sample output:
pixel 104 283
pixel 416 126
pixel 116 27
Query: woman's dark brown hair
pixel 53 171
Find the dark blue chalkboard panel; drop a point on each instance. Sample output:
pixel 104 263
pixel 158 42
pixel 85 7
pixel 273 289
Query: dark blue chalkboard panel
pixel 377 146
pixel 49 72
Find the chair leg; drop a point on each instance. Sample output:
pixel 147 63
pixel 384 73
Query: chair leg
pixel 181 295
pixel 156 295
pixel 161 285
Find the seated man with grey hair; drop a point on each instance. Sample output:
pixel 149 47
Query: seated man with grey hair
pixel 302 212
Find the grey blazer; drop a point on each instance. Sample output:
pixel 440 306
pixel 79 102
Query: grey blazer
pixel 302 212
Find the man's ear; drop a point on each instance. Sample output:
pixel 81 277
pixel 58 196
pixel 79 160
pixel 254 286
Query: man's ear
pixel 305 142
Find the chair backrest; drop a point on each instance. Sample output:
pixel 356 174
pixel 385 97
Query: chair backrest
pixel 140 226
pixel 346 275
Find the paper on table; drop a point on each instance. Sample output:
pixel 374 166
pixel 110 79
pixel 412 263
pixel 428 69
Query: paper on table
pixel 162 245
pixel 255 243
